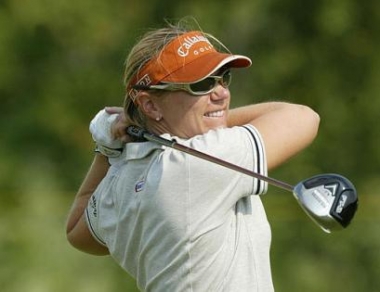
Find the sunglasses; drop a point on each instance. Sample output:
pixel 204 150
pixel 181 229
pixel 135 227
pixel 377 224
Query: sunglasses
pixel 202 87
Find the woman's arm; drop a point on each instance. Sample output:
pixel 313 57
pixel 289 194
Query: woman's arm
pixel 77 230
pixel 286 128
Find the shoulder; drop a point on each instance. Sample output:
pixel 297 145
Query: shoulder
pixel 241 145
pixel 227 139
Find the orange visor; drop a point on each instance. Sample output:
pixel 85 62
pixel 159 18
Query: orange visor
pixel 187 59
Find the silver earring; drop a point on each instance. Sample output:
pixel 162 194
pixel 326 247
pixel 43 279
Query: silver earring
pixel 158 118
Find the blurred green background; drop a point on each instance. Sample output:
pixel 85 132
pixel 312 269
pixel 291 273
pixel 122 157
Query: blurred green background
pixel 62 61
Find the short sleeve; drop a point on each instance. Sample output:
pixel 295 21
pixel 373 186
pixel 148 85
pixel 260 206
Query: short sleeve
pixel 260 164
pixel 92 217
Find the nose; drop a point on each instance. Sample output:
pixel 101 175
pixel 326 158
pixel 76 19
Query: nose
pixel 220 93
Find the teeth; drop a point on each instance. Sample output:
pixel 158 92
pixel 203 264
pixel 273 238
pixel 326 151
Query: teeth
pixel 216 114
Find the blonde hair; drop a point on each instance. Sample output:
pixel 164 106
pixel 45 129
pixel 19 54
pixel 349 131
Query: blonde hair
pixel 149 46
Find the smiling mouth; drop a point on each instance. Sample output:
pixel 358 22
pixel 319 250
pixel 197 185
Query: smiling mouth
pixel 216 114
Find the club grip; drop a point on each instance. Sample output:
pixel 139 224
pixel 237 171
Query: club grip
pixel 136 132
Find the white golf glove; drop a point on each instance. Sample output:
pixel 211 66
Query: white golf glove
pixel 100 129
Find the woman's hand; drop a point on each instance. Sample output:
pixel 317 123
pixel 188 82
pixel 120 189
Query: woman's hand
pixel 119 126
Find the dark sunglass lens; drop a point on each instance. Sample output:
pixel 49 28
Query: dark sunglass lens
pixel 203 86
pixel 226 79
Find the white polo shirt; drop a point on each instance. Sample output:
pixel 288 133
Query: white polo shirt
pixel 180 223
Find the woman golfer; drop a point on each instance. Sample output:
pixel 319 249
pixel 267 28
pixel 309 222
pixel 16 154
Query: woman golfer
pixel 176 222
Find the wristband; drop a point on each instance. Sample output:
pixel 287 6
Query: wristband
pixel 109 152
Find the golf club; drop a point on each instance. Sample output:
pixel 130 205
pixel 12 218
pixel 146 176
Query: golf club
pixel 330 200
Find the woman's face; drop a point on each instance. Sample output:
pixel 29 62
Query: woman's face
pixel 185 115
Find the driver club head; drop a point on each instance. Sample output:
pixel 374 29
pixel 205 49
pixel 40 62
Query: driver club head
pixel 329 199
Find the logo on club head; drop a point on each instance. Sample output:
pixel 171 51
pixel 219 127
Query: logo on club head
pixel 332 189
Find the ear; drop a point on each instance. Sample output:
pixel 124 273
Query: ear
pixel 148 105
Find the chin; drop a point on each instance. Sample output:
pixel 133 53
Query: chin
pixel 214 126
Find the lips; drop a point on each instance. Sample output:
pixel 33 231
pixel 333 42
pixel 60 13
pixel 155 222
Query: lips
pixel 216 114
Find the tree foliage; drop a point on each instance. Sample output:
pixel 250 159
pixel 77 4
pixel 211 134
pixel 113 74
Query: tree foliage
pixel 61 61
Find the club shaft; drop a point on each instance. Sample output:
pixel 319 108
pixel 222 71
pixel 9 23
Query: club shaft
pixel 140 133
